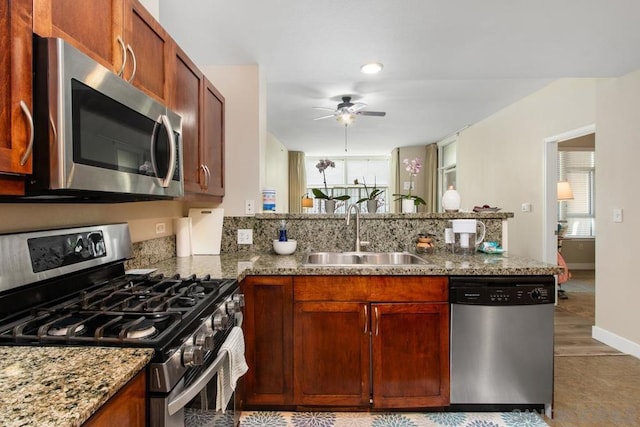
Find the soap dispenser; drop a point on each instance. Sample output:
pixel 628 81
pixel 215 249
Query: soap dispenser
pixel 283 231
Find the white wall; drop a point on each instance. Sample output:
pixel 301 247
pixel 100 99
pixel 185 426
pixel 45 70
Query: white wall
pixel 277 172
pixel 500 160
pixel 617 178
pixel 244 140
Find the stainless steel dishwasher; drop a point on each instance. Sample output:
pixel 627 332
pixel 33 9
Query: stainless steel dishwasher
pixel 502 342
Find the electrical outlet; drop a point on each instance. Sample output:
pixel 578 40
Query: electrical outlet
pixel 245 236
pixel 526 207
pixel 160 228
pixel 249 207
pixel 409 185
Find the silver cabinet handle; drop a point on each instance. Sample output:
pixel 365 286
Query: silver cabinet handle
pixel 377 315
pixel 164 120
pixel 135 63
pixel 27 152
pixel 204 172
pixel 124 56
pixel 207 177
pixel 194 389
pixel 366 319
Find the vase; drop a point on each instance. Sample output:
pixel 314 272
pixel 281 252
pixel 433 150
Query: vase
pixel 372 206
pixel 408 206
pixel 329 206
pixel 451 200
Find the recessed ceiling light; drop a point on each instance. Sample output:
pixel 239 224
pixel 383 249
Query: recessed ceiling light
pixel 371 68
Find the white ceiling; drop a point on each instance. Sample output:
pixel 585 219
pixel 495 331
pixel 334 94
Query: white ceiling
pixel 447 63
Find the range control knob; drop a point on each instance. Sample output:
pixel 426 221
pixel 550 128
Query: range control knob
pixel 535 294
pixel 192 355
pixel 220 321
pixel 204 339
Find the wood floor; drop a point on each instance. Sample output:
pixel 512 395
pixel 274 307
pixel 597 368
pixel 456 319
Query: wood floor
pixel 574 318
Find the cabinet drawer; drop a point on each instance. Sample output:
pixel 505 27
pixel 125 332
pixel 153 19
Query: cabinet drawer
pixel 371 288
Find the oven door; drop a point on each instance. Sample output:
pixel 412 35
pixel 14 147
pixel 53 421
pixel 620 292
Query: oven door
pixel 193 403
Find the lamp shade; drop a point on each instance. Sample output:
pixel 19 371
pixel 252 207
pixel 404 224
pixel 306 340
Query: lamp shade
pixel 564 191
pixel 307 202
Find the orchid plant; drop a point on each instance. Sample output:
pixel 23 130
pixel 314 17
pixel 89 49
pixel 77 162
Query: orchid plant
pixel 373 194
pixel 413 167
pixel 322 167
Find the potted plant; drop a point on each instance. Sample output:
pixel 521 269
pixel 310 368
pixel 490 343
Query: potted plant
pixel 372 196
pixel 329 201
pixel 409 201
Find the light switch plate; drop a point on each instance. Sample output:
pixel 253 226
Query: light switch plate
pixel 245 236
pixel 408 185
pixel 617 215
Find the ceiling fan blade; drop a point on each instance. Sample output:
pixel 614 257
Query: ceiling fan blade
pixel 357 107
pixel 324 117
pixel 372 113
pixel 323 108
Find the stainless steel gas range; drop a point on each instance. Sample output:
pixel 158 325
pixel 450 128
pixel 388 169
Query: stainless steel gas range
pixel 69 287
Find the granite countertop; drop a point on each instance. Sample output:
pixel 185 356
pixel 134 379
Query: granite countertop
pixel 241 264
pixel 62 386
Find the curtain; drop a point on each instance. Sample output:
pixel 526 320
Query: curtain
pixel 431 177
pixel 394 181
pixel 297 181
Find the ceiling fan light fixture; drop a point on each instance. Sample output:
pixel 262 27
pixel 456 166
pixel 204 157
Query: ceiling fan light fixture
pixel 371 68
pixel 346 118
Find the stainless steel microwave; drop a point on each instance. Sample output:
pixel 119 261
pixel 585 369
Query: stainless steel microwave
pixel 97 136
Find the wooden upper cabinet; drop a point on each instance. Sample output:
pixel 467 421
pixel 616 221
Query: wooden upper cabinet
pixel 212 144
pixel 149 48
pixel 187 100
pixel 120 34
pixel 16 94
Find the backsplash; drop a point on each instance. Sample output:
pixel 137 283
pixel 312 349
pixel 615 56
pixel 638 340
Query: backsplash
pixel 321 232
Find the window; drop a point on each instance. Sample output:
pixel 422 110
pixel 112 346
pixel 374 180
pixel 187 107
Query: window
pixel 446 167
pixel 578 168
pixel 342 180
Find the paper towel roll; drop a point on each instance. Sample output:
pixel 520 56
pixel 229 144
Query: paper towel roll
pixel 182 227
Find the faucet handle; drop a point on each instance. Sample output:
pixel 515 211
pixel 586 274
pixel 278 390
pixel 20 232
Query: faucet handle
pixel 364 243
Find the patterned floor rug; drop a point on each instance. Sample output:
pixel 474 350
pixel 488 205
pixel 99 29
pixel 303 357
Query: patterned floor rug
pixel 396 419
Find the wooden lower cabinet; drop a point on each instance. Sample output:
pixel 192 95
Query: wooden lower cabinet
pixel 331 354
pixel 268 330
pixel 410 344
pixel 371 341
pixel 126 409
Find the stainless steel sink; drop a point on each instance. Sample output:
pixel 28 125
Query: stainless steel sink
pixel 362 259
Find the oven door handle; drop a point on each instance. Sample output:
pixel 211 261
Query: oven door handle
pixel 181 400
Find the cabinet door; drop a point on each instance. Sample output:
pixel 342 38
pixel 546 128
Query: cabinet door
pixel 187 90
pixel 212 144
pixel 94 27
pixel 15 94
pixel 126 408
pixel 149 50
pixel 268 329
pixel 331 354
pixel 410 355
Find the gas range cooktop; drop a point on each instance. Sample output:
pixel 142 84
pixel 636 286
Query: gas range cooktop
pixel 68 287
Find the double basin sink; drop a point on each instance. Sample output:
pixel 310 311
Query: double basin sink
pixel 362 259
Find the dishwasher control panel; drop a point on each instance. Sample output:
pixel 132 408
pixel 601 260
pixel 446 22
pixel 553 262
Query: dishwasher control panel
pixel 502 295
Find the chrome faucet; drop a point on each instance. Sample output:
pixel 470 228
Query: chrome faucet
pixel 357 208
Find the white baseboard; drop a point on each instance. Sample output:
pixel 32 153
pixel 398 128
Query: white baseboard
pixel 616 341
pixel 581 265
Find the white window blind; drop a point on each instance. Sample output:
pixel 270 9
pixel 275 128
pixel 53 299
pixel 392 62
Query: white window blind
pixel 578 168
pixel 341 180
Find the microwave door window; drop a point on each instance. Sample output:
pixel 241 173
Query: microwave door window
pixel 109 135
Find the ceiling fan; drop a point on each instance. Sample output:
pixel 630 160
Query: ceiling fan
pixel 346 111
